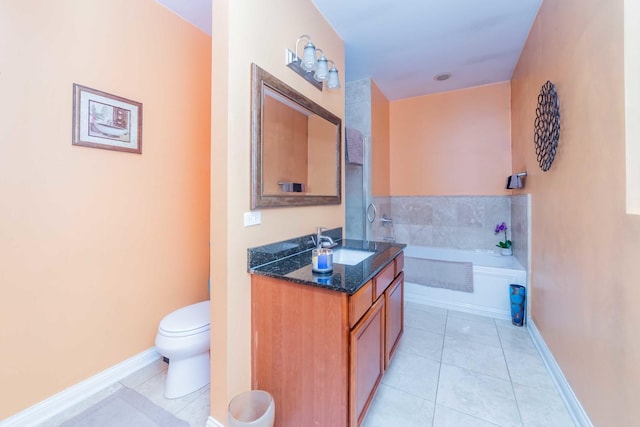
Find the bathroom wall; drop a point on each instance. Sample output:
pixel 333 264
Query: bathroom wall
pixel 96 245
pixel 380 143
pixel 451 143
pixel 585 248
pixel 244 32
pixel 449 158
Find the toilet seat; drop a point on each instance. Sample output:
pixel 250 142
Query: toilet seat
pixel 189 320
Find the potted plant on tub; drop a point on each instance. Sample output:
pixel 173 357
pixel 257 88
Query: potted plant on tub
pixel 505 247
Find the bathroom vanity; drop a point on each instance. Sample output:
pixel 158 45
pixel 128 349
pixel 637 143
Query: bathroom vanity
pixel 321 342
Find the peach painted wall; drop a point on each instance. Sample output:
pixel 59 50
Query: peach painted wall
pixel 585 249
pixel 380 178
pixel 96 246
pixel 244 32
pixel 451 143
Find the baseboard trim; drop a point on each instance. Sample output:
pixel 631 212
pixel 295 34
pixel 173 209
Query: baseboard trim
pixel 212 422
pixel 580 417
pixel 59 402
pixel 467 308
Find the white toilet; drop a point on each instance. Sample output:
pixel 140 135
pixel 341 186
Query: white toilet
pixel 183 338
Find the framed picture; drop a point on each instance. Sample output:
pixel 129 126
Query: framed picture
pixel 102 120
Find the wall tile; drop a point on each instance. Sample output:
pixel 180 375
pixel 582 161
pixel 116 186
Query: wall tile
pixel 520 207
pixel 470 212
pixel 402 233
pixel 445 211
pixel 412 210
pixel 358 116
pixel 461 222
pixel 357 91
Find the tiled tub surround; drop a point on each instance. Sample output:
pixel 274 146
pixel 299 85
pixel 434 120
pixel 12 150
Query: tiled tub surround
pixel 520 207
pixel 457 222
pixel 291 260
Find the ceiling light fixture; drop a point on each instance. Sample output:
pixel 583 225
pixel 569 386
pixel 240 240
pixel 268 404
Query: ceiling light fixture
pixel 442 77
pixel 312 68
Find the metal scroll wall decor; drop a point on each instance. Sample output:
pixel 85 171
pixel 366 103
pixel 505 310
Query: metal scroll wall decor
pixel 547 125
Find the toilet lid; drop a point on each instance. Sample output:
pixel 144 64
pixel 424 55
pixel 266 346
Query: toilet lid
pixel 191 319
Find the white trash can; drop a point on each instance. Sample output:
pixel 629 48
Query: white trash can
pixel 254 408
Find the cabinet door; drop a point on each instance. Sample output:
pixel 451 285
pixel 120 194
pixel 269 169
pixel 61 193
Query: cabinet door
pixel 366 358
pixel 394 310
pixel 383 280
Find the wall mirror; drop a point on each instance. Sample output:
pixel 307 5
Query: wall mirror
pixel 295 147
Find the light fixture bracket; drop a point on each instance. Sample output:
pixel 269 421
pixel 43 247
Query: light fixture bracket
pixel 293 62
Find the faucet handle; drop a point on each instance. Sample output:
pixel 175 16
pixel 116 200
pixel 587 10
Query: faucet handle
pixel 321 229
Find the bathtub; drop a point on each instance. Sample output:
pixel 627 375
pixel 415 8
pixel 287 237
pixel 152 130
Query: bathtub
pixel 492 275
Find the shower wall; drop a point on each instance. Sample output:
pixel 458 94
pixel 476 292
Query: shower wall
pixel 358 177
pixel 459 222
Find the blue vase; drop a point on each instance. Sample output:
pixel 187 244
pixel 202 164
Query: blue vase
pixel 518 304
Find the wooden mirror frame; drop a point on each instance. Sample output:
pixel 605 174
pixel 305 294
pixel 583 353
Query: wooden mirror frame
pixel 259 80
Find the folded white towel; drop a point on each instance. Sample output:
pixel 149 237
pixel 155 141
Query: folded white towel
pixel 355 146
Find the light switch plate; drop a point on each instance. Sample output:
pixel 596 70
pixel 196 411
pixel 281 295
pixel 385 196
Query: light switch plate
pixel 252 218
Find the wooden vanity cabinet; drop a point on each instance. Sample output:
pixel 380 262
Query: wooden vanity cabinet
pixel 322 353
pixel 366 358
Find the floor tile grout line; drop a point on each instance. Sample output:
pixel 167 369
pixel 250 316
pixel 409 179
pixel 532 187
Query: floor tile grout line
pixel 417 396
pixel 513 391
pixel 469 415
pixel 435 401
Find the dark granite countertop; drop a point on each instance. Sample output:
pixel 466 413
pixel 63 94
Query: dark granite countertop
pixel 344 278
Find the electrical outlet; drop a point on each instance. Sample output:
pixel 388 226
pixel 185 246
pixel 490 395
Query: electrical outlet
pixel 252 218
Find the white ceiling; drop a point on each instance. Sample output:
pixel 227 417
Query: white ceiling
pixel 403 44
pixel 198 12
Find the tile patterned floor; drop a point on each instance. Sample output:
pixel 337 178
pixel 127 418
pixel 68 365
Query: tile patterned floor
pixel 452 369
pixel 463 370
pixel 149 381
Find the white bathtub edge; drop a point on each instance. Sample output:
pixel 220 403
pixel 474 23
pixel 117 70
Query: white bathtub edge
pixel 452 305
pixel 580 417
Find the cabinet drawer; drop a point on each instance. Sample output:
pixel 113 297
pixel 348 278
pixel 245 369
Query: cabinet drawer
pixel 383 279
pixel 360 302
pixel 399 261
pixel 394 317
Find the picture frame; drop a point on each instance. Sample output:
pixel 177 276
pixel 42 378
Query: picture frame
pixel 103 120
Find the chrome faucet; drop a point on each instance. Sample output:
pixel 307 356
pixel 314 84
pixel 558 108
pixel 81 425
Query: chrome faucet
pixel 323 241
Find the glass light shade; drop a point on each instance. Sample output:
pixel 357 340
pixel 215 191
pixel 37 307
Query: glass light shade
pixel 333 82
pixel 308 61
pixel 322 70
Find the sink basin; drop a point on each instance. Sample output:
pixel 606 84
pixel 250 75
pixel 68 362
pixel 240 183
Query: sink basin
pixel 350 256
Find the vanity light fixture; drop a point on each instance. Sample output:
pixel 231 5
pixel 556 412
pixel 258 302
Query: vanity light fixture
pixel 308 62
pixel 322 67
pixel 333 81
pixel 312 68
